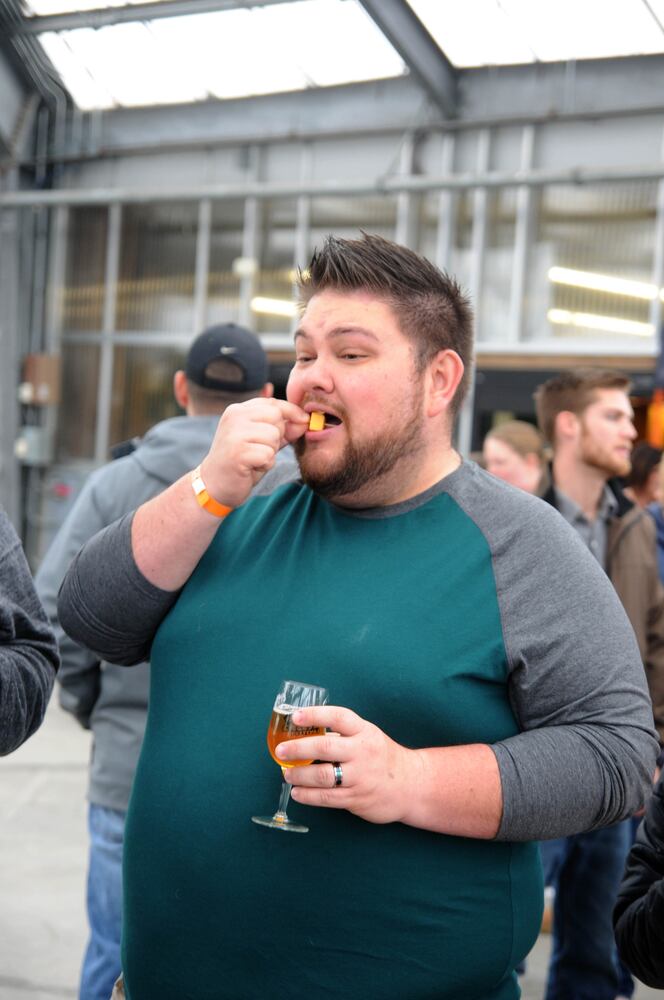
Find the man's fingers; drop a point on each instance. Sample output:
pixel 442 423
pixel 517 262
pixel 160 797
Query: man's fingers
pixel 317 776
pixel 326 747
pixel 334 717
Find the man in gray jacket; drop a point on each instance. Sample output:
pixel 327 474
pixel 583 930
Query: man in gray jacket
pixel 226 364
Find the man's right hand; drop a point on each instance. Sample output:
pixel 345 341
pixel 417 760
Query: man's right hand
pixel 245 446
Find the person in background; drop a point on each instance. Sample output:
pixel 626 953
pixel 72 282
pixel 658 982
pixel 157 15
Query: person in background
pixel 656 511
pixel 487 688
pixel 639 913
pixel 587 417
pixel 643 483
pixel 514 451
pixel 225 364
pixel 28 650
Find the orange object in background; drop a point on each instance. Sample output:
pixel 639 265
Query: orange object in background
pixel 655 420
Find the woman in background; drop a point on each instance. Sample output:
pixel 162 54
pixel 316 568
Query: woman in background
pixel 514 451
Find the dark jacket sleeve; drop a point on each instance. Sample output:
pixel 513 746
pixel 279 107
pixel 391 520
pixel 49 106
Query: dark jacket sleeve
pixel 28 651
pixel 79 678
pixel 639 913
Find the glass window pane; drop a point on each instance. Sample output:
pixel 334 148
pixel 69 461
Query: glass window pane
pixel 273 288
pixel 157 264
pixel 591 262
pixel 225 268
pixel 494 305
pixel 83 296
pixel 142 389
pixel 77 414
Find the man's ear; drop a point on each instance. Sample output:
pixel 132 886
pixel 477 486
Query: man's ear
pixel 445 372
pixel 566 425
pixel 181 389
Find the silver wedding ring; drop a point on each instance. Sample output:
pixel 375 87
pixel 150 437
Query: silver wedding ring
pixel 338 774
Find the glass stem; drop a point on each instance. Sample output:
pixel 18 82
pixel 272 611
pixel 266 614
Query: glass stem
pixel 283 800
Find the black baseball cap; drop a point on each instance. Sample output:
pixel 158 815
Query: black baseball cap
pixel 234 344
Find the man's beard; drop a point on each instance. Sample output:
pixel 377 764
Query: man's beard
pixel 363 463
pixel 601 459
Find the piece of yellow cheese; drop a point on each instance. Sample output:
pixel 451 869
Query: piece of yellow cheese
pixel 316 421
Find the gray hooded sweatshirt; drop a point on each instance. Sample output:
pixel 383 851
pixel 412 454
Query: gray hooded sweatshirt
pixel 109 699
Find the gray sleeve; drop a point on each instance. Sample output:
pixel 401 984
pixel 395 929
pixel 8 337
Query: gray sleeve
pixel 106 604
pixel 28 651
pixel 586 750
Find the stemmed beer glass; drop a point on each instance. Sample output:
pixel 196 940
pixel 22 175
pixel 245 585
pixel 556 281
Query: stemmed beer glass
pixel 291 696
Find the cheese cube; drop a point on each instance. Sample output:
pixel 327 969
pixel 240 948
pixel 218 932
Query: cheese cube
pixel 316 421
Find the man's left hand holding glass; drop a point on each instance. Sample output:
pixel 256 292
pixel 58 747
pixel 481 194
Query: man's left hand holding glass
pixel 454 790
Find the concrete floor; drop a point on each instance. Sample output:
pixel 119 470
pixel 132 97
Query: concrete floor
pixel 43 845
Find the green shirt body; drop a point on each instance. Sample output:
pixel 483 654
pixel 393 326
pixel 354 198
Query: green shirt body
pixel 398 617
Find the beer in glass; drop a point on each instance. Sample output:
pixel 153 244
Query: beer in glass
pixel 291 696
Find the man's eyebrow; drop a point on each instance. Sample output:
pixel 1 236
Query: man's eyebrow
pixel 340 331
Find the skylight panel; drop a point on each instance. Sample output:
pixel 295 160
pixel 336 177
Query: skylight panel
pixel 233 53
pixel 586 29
pixel 473 33
pixel 45 7
pixel 500 32
pixel 127 62
pixel 336 43
pixel 284 47
pixel 87 90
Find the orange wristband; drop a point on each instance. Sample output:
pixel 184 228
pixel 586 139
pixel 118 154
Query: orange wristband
pixel 204 498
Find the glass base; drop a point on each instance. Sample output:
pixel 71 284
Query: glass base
pixel 280 822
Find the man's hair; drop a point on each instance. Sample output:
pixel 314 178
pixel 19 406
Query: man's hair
pixel 430 307
pixel 520 436
pixel 644 459
pixel 573 390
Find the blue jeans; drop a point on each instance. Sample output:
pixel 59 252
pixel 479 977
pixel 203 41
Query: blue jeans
pixel 101 964
pixel 585 871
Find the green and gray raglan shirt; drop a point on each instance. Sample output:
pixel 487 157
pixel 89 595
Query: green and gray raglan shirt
pixel 469 614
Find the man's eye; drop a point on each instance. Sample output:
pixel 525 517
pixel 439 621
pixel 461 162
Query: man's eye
pixel 352 355
pixel 302 358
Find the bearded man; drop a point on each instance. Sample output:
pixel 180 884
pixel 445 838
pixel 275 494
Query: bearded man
pixel 480 701
pixel 587 417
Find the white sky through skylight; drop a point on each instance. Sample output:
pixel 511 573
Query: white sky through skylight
pixel 234 53
pixel 499 32
pixel 315 43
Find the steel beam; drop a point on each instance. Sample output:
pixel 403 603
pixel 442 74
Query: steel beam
pixel 105 16
pixel 374 185
pixel 106 357
pixel 424 58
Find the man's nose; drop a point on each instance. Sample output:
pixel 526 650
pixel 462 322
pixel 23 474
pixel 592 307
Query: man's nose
pixel 317 376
